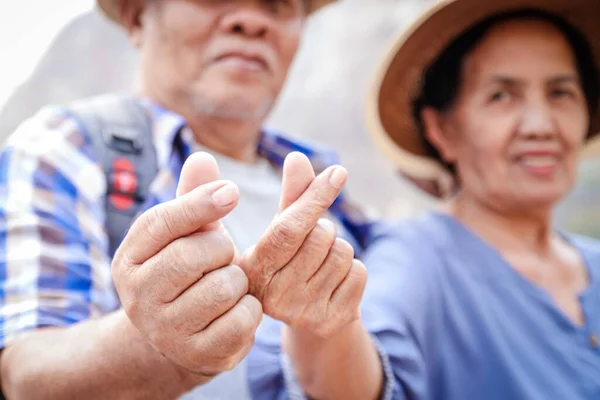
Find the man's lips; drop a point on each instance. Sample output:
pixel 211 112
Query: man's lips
pixel 244 61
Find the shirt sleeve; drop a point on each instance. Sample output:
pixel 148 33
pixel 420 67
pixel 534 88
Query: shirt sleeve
pixel 54 264
pixel 400 305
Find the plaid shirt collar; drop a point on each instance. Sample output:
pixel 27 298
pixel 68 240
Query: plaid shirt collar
pixel 272 145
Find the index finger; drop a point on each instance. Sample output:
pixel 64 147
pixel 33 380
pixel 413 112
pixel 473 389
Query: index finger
pixel 164 223
pixel 289 229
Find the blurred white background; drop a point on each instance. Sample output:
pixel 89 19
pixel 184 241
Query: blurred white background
pixel 27 27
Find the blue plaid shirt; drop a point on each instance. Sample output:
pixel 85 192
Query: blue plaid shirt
pixel 54 250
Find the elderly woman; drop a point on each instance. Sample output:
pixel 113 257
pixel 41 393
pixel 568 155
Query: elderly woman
pixel 483 299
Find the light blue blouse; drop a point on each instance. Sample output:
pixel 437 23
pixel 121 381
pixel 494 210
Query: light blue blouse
pixel 453 321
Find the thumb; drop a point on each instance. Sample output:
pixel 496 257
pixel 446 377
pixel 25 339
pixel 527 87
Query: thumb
pixel 199 169
pixel 298 174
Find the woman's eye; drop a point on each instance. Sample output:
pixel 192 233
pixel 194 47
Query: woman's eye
pixel 560 93
pixel 499 96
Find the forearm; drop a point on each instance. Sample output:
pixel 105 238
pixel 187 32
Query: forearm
pixel 346 366
pixel 105 358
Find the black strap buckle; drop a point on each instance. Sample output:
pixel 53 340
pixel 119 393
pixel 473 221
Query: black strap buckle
pixel 124 141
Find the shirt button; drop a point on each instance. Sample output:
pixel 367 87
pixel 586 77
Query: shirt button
pixel 594 342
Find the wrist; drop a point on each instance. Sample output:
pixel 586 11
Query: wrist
pixel 121 326
pixel 298 338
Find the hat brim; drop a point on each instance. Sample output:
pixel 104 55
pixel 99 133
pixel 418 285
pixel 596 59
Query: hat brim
pixel 110 8
pixel 397 81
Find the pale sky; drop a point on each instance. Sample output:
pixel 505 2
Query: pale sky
pixel 27 28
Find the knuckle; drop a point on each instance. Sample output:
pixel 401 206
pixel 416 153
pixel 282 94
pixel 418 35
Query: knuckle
pixel 190 210
pixel 215 245
pixel 343 250
pixel 208 359
pixel 226 285
pixel 173 260
pixel 228 364
pixel 196 254
pixel 359 270
pixel 247 323
pixel 222 289
pixel 156 222
pixel 195 360
pixel 192 253
pixel 358 280
pixel 235 340
pixel 237 275
pixel 322 198
pixel 231 362
pixel 122 264
pixel 304 214
pixel 286 232
pixel 167 221
pixel 321 237
pixel 193 256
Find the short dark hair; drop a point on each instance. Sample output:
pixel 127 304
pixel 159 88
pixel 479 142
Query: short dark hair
pixel 442 79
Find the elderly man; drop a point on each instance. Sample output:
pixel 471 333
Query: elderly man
pixel 179 301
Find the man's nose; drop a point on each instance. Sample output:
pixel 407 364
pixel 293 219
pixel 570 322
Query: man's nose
pixel 250 20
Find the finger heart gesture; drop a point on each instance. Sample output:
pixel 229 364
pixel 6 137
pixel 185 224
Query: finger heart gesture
pixel 299 270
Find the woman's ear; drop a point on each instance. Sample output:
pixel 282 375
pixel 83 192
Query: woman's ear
pixel 439 133
pixel 429 186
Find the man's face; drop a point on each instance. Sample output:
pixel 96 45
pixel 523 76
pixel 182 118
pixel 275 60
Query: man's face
pixel 221 58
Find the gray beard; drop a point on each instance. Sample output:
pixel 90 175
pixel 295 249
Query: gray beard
pixel 237 109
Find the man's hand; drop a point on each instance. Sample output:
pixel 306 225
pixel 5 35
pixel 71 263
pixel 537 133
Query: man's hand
pixel 176 279
pixel 302 274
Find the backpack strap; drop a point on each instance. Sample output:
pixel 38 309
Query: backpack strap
pixel 121 133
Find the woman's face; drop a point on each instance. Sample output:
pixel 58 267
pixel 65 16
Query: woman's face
pixel 519 119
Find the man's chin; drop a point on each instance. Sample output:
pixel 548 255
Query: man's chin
pixel 233 108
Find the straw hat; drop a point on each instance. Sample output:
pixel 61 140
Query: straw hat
pixel 111 7
pixel 397 82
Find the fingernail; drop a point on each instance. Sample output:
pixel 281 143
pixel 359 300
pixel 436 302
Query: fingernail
pixel 327 225
pixel 225 195
pixel 338 177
